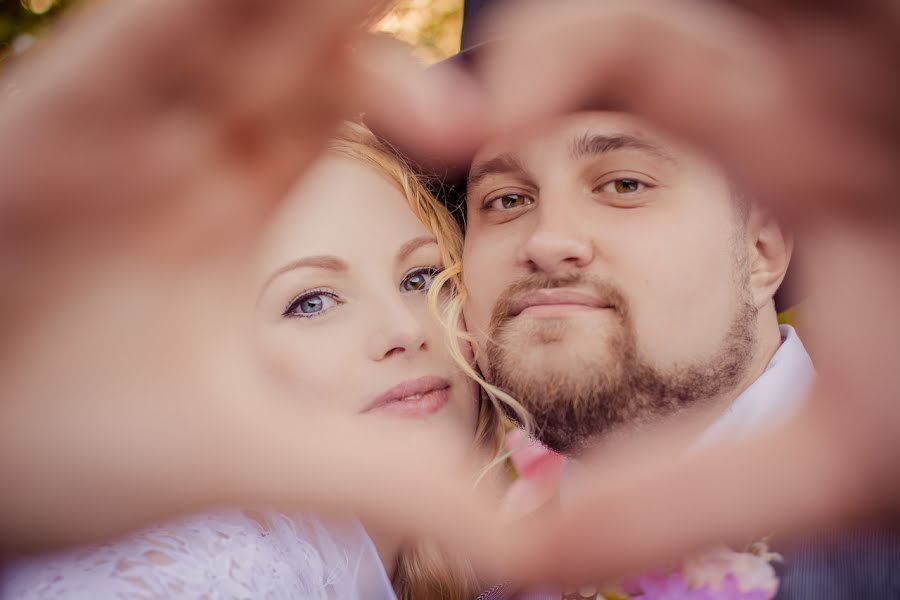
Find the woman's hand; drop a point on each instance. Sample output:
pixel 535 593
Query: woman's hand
pixel 150 142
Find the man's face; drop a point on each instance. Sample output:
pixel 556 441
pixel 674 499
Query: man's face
pixel 608 278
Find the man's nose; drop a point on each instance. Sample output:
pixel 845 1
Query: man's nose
pixel 399 331
pixel 557 244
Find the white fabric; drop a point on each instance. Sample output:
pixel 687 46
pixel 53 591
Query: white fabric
pixel 226 554
pixel 773 398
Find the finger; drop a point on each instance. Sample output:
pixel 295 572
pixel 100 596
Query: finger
pixel 124 430
pixel 432 115
pixel 712 75
pixel 384 475
pixel 253 81
pixel 877 10
pixel 649 512
pixel 858 362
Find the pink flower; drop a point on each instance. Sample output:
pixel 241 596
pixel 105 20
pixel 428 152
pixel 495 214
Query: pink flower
pixel 539 471
pixel 749 571
pixel 674 586
pixel 529 457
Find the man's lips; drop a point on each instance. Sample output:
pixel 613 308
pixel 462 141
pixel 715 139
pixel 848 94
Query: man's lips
pixel 553 302
pixel 413 398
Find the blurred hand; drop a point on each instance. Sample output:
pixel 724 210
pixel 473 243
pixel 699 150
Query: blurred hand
pixel 149 143
pixel 799 100
pixel 153 138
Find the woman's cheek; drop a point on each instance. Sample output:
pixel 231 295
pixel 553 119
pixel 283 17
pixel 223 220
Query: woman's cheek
pixel 310 368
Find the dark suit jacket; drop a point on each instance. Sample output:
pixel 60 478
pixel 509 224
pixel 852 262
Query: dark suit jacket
pixel 863 564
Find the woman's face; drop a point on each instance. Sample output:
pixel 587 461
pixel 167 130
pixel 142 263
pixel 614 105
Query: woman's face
pixel 343 311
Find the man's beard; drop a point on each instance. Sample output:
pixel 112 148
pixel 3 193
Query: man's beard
pixel 584 400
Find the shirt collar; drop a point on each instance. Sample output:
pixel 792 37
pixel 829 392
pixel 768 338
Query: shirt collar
pixel 773 397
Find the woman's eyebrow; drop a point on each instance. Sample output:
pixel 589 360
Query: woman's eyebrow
pixel 323 261
pixel 413 244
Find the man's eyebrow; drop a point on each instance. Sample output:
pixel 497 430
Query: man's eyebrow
pixel 502 164
pixel 324 261
pixel 413 244
pixel 593 144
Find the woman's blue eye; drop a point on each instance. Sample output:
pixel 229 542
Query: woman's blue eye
pixel 311 304
pixel 419 280
pixel 510 202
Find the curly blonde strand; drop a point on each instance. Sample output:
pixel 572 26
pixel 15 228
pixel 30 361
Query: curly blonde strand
pixel 424 570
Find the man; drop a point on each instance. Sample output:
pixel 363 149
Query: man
pixel 618 280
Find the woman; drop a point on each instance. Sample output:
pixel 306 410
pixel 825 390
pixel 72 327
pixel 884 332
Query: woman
pixel 344 321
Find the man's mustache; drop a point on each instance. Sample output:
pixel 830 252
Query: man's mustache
pixel 606 293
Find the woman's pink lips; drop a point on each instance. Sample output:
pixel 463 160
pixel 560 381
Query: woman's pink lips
pixel 414 398
pixel 428 404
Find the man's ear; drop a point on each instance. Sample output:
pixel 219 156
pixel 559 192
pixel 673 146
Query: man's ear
pixel 771 248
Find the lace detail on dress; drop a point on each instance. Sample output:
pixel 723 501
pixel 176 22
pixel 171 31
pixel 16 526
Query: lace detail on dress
pixel 227 554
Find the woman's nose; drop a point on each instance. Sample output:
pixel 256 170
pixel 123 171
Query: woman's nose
pixel 400 331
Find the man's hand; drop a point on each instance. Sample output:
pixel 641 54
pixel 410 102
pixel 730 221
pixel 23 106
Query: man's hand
pixel 799 100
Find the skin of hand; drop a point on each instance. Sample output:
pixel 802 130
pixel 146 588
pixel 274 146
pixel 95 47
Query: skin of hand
pixel 148 145
pixel 798 100
pixel 159 156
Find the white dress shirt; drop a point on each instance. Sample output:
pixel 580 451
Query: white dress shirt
pixel 773 398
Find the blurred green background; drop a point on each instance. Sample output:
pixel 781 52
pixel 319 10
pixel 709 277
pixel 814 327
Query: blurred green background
pixel 431 26
pixel 24 21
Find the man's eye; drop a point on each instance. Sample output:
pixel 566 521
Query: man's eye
pixel 419 280
pixel 311 304
pixel 509 202
pixel 624 186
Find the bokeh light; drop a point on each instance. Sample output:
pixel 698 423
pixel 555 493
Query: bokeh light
pixel 38 7
pixel 432 27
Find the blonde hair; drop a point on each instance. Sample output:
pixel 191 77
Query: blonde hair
pixel 425 571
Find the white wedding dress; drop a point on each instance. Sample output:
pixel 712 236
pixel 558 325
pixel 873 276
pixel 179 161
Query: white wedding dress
pixel 225 554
